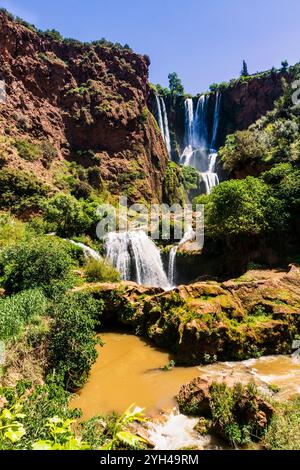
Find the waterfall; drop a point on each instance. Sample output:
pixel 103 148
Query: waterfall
pixel 188 236
pixel 166 126
pixel 89 253
pixel 163 121
pixel 137 257
pixel 200 137
pixel 216 121
pixel 172 265
pixel 196 152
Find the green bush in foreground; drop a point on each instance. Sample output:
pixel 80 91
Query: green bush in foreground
pixel 41 262
pixel 72 342
pixel 101 271
pixel 19 310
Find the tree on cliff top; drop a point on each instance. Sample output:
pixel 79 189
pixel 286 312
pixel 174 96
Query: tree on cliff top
pixel 175 85
pixel 244 71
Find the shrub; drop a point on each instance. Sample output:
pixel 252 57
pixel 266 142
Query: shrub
pixel 284 431
pixel 42 262
pixel 101 271
pixel 11 230
pixel 28 150
pixel 72 339
pixel 244 148
pixel 243 208
pixel 70 216
pixel 20 191
pixel 18 310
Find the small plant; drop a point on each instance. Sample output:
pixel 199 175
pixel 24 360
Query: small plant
pixel 28 150
pixel 101 271
pixel 122 435
pixel 168 367
pixel 61 437
pixel 11 427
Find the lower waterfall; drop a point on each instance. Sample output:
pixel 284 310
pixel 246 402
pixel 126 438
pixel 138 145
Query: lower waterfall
pixel 137 258
pixel 188 236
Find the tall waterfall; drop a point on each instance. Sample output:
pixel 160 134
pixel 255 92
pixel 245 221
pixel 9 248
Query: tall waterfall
pixel 163 121
pixel 197 151
pixel 137 258
pixel 200 137
pixel 216 121
pixel 188 236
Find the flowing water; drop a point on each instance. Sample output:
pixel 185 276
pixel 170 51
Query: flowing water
pixel 163 121
pixel 188 236
pixel 198 153
pixel 137 258
pixel 128 371
pixel 89 253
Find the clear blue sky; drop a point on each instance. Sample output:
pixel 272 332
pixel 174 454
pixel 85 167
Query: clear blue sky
pixel 204 41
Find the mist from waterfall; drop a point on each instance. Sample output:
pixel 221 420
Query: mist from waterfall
pixel 163 121
pixel 198 153
pixel 137 258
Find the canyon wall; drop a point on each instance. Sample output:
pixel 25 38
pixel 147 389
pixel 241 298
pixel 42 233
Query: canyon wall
pixel 89 102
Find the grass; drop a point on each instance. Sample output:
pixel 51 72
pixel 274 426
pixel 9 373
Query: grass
pixel 284 430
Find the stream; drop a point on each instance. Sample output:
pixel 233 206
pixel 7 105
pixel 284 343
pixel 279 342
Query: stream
pixel 129 370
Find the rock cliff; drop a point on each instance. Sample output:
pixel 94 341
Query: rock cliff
pixel 88 101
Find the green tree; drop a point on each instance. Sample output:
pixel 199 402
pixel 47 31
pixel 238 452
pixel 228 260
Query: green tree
pixel 72 341
pixel 239 208
pixel 39 263
pixel 244 71
pixel 284 65
pixel 175 84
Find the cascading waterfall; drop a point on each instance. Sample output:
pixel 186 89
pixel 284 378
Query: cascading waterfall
pixel 136 257
pixel 216 121
pixel 89 253
pixel 188 236
pixel 200 137
pixel 163 121
pixel 197 152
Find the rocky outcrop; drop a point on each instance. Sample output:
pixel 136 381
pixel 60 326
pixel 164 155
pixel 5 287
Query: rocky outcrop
pixel 208 321
pixel 89 102
pixel 229 405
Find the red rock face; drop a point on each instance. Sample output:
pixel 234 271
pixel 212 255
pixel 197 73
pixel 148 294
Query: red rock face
pixel 83 98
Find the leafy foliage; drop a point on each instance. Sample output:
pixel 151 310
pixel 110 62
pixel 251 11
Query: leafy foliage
pixel 242 207
pixel 19 310
pixel 43 262
pixel 70 216
pixel 72 342
pixel 121 433
pixel 101 271
pixel 175 85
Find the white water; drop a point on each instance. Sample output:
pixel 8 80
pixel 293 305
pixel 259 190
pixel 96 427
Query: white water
pixel 196 152
pixel 88 252
pixel 216 120
pixel 188 236
pixel 163 121
pixel 137 258
pixel 176 432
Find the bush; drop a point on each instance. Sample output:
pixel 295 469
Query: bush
pixel 101 271
pixel 72 339
pixel 284 431
pixel 17 311
pixel 28 150
pixel 71 217
pixel 11 230
pixel 20 191
pixel 243 208
pixel 42 262
pixel 242 149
